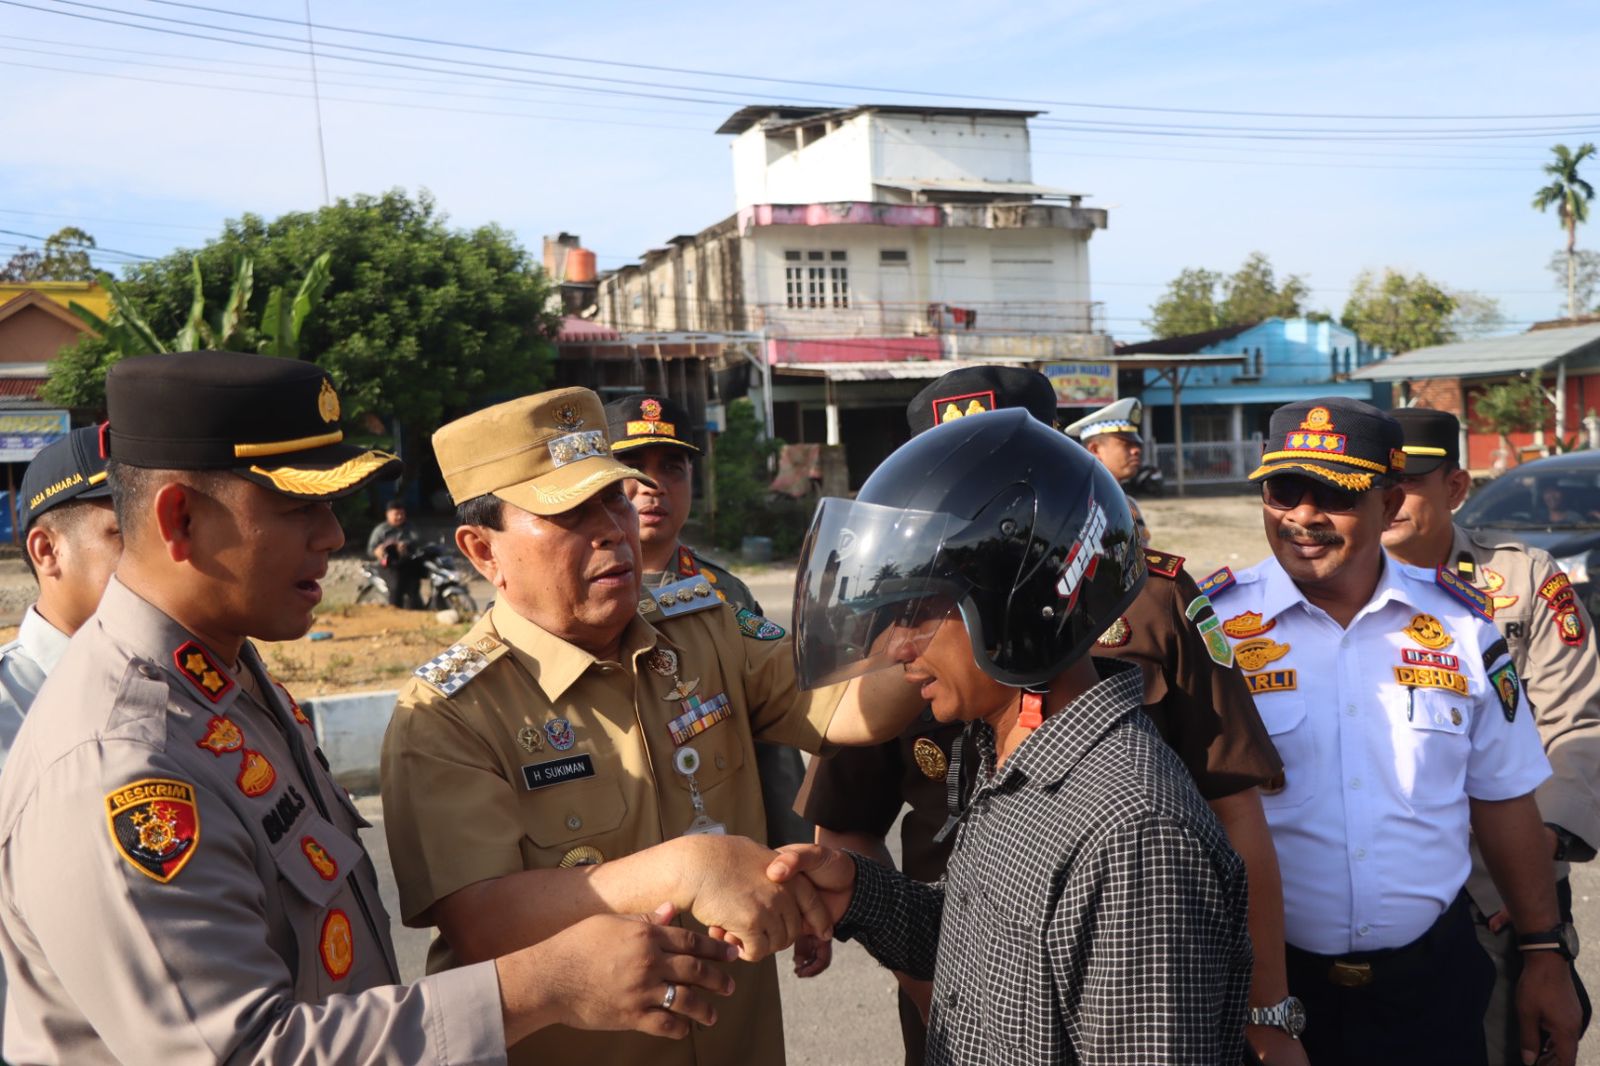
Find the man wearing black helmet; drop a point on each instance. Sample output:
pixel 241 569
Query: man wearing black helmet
pixel 1192 692
pixel 1093 910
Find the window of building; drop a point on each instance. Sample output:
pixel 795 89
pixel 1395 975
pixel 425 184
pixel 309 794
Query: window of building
pixel 894 257
pixel 816 279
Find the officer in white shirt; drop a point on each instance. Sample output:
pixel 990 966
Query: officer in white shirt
pixel 1397 711
pixel 72 543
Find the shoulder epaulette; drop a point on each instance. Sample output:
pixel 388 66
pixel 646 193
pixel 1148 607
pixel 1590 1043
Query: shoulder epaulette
pixel 448 672
pixel 1475 599
pixel 1164 563
pixel 679 598
pixel 1217 582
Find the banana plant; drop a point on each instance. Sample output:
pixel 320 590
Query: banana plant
pixel 282 320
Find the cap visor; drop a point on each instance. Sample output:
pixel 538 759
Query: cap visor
pixel 322 473
pixel 566 487
pixel 1339 477
pixel 627 443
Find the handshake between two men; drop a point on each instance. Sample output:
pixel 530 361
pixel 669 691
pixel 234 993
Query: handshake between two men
pixel 632 968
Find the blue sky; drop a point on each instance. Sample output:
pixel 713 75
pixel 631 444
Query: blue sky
pixel 158 156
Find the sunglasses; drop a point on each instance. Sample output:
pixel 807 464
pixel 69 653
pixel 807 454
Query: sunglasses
pixel 1287 493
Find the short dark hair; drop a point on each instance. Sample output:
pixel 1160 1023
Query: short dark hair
pixel 487 511
pixel 132 487
pixel 63 518
pixel 396 504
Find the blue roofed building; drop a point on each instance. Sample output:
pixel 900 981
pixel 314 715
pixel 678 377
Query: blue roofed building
pixel 1216 416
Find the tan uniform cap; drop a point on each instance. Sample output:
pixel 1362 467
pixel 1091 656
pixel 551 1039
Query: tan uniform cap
pixel 545 453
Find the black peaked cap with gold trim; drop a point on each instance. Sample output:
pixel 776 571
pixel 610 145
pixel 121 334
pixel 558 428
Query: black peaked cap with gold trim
pixel 271 421
pixel 64 470
pixel 646 419
pixel 975 389
pixel 1342 442
pixel 1433 438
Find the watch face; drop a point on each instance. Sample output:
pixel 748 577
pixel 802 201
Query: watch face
pixel 1569 938
pixel 1294 1021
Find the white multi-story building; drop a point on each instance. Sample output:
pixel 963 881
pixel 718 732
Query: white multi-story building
pixel 869 236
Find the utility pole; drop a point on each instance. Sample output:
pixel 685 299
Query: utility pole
pixel 316 96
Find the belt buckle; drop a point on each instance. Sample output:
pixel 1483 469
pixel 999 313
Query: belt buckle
pixel 1350 974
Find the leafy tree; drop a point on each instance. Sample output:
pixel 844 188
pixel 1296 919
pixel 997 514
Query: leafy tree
pixel 1579 274
pixel 1252 293
pixel 1188 306
pixel 415 321
pixel 1400 313
pixel 65 258
pixel 1569 195
pixel 1518 406
pixel 1198 300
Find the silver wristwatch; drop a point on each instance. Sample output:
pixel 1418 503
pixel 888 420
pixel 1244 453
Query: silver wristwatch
pixel 1290 1016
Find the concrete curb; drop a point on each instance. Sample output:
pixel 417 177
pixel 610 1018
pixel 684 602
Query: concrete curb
pixel 350 732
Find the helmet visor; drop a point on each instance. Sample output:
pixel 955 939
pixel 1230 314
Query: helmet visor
pixel 873 587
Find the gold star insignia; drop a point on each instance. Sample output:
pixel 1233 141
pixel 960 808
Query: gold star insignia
pixel 195 663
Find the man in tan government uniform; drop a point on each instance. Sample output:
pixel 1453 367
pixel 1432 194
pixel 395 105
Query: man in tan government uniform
pixel 1552 643
pixel 181 879
pixel 585 737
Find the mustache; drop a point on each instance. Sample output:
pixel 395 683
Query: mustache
pixel 1290 531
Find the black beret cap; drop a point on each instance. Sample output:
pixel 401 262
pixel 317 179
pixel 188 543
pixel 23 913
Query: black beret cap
pixel 64 470
pixel 1432 438
pixel 975 389
pixel 1338 441
pixel 274 422
pixel 644 419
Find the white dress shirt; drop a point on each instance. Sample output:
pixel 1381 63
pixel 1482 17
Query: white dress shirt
pixel 24 663
pixel 1371 819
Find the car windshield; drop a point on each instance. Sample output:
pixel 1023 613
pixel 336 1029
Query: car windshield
pixel 1562 498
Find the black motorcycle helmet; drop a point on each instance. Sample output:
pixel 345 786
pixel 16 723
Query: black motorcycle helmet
pixel 994 516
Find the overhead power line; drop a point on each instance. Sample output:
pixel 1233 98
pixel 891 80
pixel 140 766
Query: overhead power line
pixel 769 79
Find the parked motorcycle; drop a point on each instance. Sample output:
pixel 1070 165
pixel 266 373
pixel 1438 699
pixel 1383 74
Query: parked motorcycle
pixel 445 573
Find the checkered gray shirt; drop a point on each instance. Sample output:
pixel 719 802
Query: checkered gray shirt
pixel 1093 911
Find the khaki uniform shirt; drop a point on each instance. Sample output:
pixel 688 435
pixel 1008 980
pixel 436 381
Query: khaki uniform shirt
pixel 546 757
pixel 1553 644
pixel 1196 697
pixel 181 880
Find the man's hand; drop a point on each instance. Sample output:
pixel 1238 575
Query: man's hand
pixel 612 972
pixel 727 879
pixel 1274 1047
pixel 1547 1006
pixel 830 871
pixel 812 955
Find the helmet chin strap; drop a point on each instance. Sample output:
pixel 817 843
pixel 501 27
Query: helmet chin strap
pixel 1032 714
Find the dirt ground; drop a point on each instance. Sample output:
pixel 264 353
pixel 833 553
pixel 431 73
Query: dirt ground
pixel 375 647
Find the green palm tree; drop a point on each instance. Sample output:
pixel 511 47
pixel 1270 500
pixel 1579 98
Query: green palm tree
pixel 1571 195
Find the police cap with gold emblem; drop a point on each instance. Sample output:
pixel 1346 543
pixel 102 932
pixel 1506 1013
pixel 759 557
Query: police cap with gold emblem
pixel 1341 442
pixel 1433 438
pixel 271 421
pixel 65 470
pixel 1120 418
pixel 646 419
pixel 546 453
pixel 975 389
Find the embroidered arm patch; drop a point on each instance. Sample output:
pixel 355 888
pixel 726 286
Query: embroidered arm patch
pixel 155 825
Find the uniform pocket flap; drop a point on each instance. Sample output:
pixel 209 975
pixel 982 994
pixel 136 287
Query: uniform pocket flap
pixel 315 859
pixel 1280 714
pixel 573 810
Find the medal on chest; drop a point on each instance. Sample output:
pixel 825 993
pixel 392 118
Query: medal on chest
pixel 687 762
